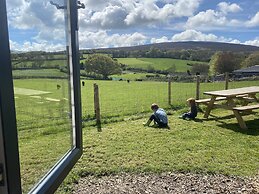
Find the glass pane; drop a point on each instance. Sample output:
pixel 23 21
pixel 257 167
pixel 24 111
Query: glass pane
pixel 41 85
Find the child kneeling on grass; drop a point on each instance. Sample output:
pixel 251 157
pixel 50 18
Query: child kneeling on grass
pixel 193 112
pixel 159 117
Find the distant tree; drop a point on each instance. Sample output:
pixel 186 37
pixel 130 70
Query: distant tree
pixel 222 62
pixel 154 52
pixel 200 55
pixel 185 55
pixel 201 68
pixel 175 54
pixel 102 65
pixel 252 60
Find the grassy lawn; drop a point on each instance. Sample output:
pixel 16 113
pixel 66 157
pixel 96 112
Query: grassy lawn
pixel 216 146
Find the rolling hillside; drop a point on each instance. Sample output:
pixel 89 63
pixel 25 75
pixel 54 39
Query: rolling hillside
pixel 194 45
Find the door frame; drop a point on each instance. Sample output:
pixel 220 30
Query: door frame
pixel 9 155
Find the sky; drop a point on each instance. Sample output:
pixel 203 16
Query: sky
pixel 37 25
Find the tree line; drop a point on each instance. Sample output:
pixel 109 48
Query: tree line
pixel 100 65
pixel 203 55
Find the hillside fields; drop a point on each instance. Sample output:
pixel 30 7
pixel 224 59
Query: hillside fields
pixel 157 63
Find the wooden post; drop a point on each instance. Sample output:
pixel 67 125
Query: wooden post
pixel 97 107
pixel 169 90
pixel 226 80
pixel 197 87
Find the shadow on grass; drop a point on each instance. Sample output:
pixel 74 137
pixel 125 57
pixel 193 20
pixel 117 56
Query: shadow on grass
pixel 252 125
pixel 198 120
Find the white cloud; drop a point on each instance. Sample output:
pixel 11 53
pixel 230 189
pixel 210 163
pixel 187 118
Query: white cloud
pixel 11 5
pixel 36 46
pixel 254 42
pixel 95 4
pixel 211 19
pixel 98 20
pixel 35 14
pixel 122 14
pixel 148 12
pixel 193 35
pixel 101 39
pixel 206 19
pixel 227 7
pixel 110 17
pixel 254 21
pixel 159 40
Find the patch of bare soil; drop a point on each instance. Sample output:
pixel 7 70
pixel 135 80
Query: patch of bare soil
pixel 166 183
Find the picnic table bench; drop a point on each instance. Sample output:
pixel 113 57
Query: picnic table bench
pixel 207 100
pixel 246 94
pixel 239 118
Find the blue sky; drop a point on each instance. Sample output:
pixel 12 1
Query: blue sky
pixel 38 25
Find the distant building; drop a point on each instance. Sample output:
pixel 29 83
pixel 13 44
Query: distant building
pixel 247 72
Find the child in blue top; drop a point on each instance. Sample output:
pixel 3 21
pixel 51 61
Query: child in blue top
pixel 159 117
pixel 193 112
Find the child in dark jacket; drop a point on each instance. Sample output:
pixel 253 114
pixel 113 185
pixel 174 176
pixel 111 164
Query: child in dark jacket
pixel 193 112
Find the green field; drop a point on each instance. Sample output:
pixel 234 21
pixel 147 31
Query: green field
pixel 38 73
pixel 133 76
pixel 157 63
pixel 216 145
pixel 52 63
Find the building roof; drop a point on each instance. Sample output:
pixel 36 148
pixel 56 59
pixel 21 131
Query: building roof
pixel 252 69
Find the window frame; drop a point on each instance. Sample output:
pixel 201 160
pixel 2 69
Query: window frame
pixel 10 155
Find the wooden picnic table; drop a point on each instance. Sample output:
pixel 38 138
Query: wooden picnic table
pixel 247 94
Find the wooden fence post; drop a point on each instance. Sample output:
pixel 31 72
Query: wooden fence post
pixel 197 87
pixel 169 90
pixel 226 80
pixel 97 107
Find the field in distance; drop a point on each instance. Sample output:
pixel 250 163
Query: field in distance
pixel 158 63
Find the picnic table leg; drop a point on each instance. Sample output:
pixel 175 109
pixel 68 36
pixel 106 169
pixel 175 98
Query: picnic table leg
pixel 240 119
pixel 254 97
pixel 230 102
pixel 209 107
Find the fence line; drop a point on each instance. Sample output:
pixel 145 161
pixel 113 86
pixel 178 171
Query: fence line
pixel 169 90
pixel 226 80
pixel 97 107
pixel 122 99
pixel 197 87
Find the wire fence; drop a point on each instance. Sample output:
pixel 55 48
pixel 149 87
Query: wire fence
pixel 120 98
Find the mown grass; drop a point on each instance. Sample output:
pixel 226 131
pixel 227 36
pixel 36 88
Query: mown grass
pixel 214 146
pixel 157 63
pixel 41 123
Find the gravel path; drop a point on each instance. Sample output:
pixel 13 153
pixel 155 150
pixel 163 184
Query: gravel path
pixel 166 183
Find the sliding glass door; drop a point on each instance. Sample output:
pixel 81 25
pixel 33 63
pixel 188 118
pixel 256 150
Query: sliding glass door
pixel 40 70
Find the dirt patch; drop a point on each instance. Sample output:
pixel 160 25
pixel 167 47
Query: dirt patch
pixel 166 183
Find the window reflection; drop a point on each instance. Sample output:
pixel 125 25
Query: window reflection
pixel 41 85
